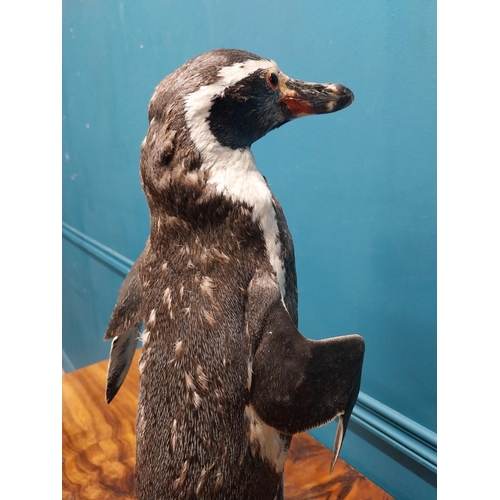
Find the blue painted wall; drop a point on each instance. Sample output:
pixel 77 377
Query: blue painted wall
pixel 358 187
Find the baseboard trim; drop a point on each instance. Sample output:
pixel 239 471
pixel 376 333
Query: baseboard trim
pixel 405 434
pixel 67 365
pixel 117 261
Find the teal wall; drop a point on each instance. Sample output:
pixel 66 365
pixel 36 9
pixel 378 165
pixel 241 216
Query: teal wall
pixel 358 188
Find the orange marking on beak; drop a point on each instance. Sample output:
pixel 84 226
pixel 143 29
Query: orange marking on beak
pixel 298 107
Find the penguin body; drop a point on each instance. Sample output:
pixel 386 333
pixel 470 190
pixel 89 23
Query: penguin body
pixel 226 378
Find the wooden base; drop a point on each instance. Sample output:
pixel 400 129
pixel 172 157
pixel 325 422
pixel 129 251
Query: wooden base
pixel 99 448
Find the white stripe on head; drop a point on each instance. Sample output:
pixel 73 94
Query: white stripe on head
pixel 233 171
pixel 198 104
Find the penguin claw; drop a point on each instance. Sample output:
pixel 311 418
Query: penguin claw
pixel 337 443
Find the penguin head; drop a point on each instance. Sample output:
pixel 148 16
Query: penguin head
pixel 235 97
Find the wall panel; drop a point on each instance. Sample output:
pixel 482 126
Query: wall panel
pixel 358 187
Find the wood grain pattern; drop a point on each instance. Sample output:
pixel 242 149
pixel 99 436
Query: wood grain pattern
pixel 99 448
pixel 307 475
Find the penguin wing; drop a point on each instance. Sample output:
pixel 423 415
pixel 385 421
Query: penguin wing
pixel 124 328
pixel 288 257
pixel 297 383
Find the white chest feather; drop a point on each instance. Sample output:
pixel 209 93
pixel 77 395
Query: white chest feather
pixel 265 441
pixel 241 181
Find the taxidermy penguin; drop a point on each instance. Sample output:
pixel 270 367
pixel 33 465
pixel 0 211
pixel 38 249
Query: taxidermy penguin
pixel 226 378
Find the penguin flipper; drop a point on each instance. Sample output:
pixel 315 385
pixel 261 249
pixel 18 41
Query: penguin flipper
pixel 297 383
pixel 124 328
pixel 120 358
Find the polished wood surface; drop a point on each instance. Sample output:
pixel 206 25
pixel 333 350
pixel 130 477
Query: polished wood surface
pixel 99 448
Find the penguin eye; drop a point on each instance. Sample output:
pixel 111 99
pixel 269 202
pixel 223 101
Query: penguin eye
pixel 272 79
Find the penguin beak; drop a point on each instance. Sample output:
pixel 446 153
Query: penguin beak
pixel 303 98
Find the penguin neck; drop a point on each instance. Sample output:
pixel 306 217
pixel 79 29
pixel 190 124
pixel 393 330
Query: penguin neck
pixel 234 175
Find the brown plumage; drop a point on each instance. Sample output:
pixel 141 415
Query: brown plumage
pixel 215 285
